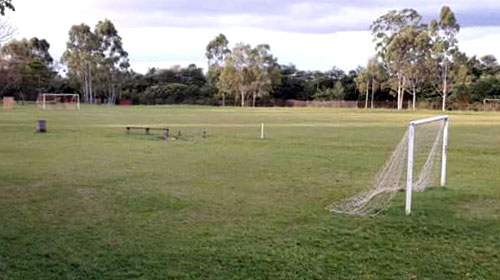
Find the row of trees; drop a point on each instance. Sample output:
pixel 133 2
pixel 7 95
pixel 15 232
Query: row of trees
pixel 414 57
pixel 413 61
pixel 95 59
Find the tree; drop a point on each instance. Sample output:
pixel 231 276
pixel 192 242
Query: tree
pixel 489 65
pixel 30 65
pixel 393 38
pixel 378 75
pixel 81 56
pixel 239 62
pixel 264 70
pixel 248 72
pixel 443 35
pixel 338 91
pixel 461 77
pixel 228 82
pixel 363 83
pixel 172 93
pixel 113 58
pixel 216 52
pixel 416 68
pixel 6 4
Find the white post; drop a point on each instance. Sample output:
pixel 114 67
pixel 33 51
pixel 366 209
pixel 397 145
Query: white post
pixel 78 101
pixel 409 171
pixel 444 155
pixel 262 131
pixel 43 101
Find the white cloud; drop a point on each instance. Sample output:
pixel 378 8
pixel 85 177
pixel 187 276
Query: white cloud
pixel 302 32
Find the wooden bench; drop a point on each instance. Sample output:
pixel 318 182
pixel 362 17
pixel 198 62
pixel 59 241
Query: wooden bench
pixel 148 128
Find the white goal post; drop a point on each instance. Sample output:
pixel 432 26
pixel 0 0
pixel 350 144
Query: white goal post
pixel 491 103
pixel 412 130
pixel 413 164
pixel 58 100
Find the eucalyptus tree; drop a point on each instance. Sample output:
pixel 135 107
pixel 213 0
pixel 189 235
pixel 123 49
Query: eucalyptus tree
pixel 264 71
pixel 393 43
pixel 95 60
pixel 376 73
pixel 249 73
pixel 240 61
pixel 445 44
pixel 113 59
pixel 216 52
pixel 81 56
pixel 416 68
pixel 227 83
pixel 363 83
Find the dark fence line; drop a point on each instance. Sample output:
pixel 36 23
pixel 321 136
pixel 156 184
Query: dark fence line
pixel 431 105
pixel 329 104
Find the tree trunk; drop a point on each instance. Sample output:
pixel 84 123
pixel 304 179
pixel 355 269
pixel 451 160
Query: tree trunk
pixel 414 97
pixel 85 88
pixel 445 92
pixel 366 98
pixel 399 92
pixel 373 92
pixel 242 99
pixel 223 99
pixel 253 101
pixel 91 93
pixel 113 93
pixel 403 92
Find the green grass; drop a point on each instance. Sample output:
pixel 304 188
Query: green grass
pixel 87 201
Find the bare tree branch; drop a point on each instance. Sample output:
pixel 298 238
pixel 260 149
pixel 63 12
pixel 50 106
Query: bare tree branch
pixel 7 31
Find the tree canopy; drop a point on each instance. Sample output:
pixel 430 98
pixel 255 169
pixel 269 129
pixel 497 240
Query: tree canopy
pixel 4 5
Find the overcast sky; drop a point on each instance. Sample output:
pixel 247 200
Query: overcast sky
pixel 314 35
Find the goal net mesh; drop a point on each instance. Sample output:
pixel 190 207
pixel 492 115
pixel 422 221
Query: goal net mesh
pixel 392 177
pixel 57 101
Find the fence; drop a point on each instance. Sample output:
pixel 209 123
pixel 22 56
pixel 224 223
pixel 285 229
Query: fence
pixel 330 104
pixel 430 105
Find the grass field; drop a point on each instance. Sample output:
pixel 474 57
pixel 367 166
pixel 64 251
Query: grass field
pixel 87 201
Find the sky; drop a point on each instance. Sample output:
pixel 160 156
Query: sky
pixel 311 34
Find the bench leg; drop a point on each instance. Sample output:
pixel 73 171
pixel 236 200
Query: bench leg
pixel 128 130
pixel 165 134
pixel 147 130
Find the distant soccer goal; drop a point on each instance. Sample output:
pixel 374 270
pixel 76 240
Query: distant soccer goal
pixel 58 101
pixel 490 104
pixel 422 153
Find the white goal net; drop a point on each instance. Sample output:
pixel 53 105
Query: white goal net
pixel 58 101
pixel 418 162
pixel 491 104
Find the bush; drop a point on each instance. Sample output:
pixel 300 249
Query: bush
pixel 173 93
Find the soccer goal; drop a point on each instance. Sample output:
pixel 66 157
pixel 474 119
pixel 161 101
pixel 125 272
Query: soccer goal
pixel 418 162
pixel 58 101
pixel 491 104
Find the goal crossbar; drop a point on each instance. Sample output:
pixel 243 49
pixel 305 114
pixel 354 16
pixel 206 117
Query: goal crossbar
pixel 428 120
pixel 45 95
pixel 412 126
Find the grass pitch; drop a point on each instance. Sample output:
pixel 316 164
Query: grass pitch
pixel 87 201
